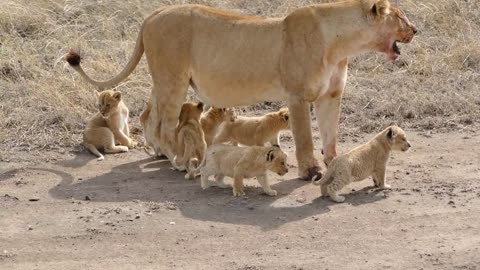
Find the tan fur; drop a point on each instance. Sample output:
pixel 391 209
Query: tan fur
pixel 254 130
pixel 191 145
pixel 232 60
pixel 212 119
pixel 108 126
pixel 242 162
pixel 366 160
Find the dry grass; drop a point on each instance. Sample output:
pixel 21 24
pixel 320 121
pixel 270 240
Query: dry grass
pixel 43 103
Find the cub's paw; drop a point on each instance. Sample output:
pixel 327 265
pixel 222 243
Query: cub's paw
pixel 238 193
pixel 271 192
pixel 338 199
pixel 132 144
pixel 123 148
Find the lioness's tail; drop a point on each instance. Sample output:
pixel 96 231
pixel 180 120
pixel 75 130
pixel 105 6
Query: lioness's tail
pixel 74 59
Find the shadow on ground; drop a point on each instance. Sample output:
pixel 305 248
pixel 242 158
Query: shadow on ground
pixel 153 180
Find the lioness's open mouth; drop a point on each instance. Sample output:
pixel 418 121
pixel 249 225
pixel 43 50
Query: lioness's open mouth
pixel 394 50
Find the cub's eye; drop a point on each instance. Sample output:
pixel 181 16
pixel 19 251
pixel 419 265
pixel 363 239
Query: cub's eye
pixel 404 139
pixel 107 106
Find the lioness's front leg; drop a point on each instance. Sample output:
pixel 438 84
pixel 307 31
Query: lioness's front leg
pixel 302 134
pixel 327 110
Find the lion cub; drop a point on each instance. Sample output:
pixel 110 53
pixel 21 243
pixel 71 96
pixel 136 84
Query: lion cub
pixel 212 119
pixel 242 162
pixel 191 145
pixel 108 126
pixel 369 159
pixel 254 130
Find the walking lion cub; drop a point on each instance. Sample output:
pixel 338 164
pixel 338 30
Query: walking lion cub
pixel 254 130
pixel 108 126
pixel 369 159
pixel 242 162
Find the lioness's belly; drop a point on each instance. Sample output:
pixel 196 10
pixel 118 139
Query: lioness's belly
pixel 236 62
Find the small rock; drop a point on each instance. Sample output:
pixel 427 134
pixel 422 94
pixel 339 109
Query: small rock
pixel 87 198
pixel 172 223
pixel 300 200
pixel 137 216
pixel 30 227
pixel 33 200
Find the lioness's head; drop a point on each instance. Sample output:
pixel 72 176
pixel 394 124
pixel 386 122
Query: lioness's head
pixel 277 160
pixel 397 139
pixel 190 110
pixel 107 101
pixel 390 26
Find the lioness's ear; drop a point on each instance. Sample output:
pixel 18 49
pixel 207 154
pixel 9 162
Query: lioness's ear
pixel 200 106
pixel 381 7
pixel 117 95
pixel 270 156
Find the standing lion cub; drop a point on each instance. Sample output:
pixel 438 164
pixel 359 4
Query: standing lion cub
pixel 254 130
pixel 108 126
pixel 365 160
pixel 191 145
pixel 242 162
pixel 212 119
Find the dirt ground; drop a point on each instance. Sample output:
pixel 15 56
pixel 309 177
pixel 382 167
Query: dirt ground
pixel 133 212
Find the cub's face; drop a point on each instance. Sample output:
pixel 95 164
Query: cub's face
pixel 398 139
pixel 277 161
pixel 107 101
pixel 229 115
pixel 190 110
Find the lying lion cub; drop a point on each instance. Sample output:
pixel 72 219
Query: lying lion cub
pixel 108 126
pixel 191 145
pixel 242 162
pixel 366 160
pixel 212 119
pixel 254 130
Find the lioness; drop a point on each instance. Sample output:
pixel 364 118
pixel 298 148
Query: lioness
pixel 108 126
pixel 212 119
pixel 254 130
pixel 231 60
pixel 190 139
pixel 366 160
pixel 242 162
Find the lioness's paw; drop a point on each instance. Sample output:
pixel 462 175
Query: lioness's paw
pixel 386 186
pixel 123 148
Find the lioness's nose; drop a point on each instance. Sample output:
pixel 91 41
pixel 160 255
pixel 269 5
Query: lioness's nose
pixel 414 29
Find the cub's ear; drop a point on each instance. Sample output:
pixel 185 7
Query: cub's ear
pixel 117 95
pixel 390 133
pixel 381 7
pixel 200 106
pixel 270 156
pixel 285 117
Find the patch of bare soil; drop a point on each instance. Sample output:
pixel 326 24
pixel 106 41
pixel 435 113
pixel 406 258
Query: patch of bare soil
pixel 131 211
